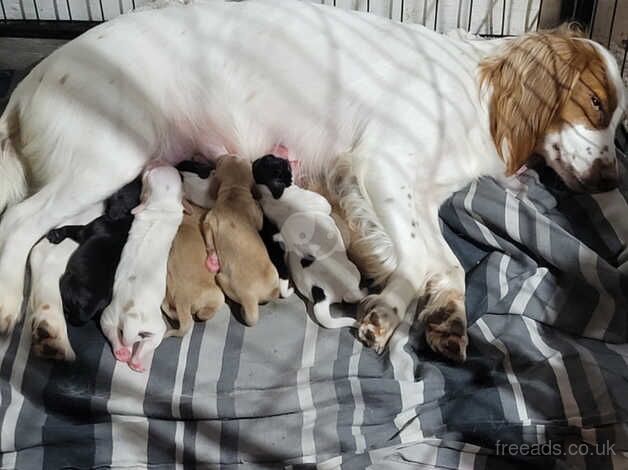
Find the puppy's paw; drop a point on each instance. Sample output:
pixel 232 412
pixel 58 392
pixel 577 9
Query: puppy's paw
pixel 377 322
pixel 122 354
pixel 212 262
pixel 49 342
pixel 55 236
pixel 285 290
pixel 446 326
pixel 136 366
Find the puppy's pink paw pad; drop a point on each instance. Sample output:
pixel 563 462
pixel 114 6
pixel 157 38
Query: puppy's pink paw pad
pixel 136 366
pixel 212 263
pixel 122 354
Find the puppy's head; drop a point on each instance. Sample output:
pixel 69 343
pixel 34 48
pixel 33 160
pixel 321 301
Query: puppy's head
pixel 121 203
pixel 274 173
pixel 231 171
pixel 161 186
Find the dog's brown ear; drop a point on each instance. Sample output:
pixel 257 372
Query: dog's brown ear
pixel 187 207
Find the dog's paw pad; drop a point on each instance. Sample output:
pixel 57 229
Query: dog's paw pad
pixel 377 323
pixel 446 329
pixel 47 343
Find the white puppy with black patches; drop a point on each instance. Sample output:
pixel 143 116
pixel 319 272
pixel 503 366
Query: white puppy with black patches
pixel 133 322
pixel 315 252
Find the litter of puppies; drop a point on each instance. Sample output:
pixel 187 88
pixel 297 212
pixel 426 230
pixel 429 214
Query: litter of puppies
pixel 169 248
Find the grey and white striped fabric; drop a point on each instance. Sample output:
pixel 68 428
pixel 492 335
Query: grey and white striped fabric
pixel 548 364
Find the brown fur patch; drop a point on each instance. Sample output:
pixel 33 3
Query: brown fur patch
pixel 128 306
pixel 542 81
pixel 45 307
pixel 63 79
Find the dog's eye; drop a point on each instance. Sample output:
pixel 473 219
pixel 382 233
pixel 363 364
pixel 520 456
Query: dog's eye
pixel 144 334
pixel 595 101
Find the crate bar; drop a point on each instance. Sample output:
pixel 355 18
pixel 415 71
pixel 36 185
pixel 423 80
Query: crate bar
pixel 436 15
pixel 503 16
pixel 102 10
pixel 538 17
pixel 401 14
pixel 623 62
pixel 593 15
pixel 36 9
pixel 4 12
pixel 470 15
pixel 610 35
pixel 67 2
pixel 45 29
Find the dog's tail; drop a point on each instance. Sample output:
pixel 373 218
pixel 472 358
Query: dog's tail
pixel 13 185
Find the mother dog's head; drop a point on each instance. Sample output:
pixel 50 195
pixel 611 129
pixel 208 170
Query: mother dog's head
pixel 560 96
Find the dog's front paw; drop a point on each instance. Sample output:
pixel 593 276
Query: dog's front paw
pixel 446 326
pixel 10 309
pixel 377 322
pixel 49 342
pixel 55 236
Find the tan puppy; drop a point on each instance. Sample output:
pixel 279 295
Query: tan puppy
pixel 246 273
pixel 191 287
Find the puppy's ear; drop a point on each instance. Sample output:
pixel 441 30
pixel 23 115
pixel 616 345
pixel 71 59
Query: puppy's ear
pixel 256 216
pixel 255 192
pixel 276 187
pixel 144 195
pixel 214 186
pixel 187 207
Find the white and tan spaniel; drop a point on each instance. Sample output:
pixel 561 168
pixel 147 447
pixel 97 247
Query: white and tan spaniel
pixel 392 117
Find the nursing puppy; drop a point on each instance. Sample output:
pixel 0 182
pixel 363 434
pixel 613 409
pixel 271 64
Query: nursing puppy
pixel 45 307
pixel 196 176
pixel 87 283
pixel 191 286
pixel 246 273
pixel 315 251
pixel 133 322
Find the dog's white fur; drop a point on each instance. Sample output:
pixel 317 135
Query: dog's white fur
pixel 402 103
pixel 307 230
pixel 45 308
pixel 133 322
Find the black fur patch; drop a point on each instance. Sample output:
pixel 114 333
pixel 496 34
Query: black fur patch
pixel 275 251
pixel 274 172
pixel 200 169
pixel 318 294
pixel 307 261
pixel 87 283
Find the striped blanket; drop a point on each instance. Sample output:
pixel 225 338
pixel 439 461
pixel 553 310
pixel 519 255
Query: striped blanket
pixel 545 385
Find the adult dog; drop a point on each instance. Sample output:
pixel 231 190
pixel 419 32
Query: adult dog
pixel 393 117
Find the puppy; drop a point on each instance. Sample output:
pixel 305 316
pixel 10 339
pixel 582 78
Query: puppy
pixel 315 251
pixel 191 286
pixel 196 181
pixel 246 273
pixel 87 283
pixel 196 176
pixel 45 307
pixel 133 322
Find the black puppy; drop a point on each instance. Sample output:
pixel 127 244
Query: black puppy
pixel 277 170
pixel 87 284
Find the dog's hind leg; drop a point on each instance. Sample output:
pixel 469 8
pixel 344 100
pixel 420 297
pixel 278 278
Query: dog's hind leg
pixel 46 320
pixel 73 232
pixel 25 223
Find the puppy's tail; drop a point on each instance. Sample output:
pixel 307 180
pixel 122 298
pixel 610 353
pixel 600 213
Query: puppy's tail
pixel 323 316
pixel 13 185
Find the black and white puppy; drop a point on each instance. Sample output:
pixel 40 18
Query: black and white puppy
pixel 314 250
pixel 87 283
pixel 196 176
